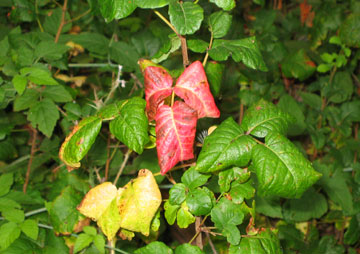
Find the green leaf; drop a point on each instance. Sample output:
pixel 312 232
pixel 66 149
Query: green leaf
pixel 264 243
pixel 171 46
pixel 50 50
pixel 338 191
pixel 351 111
pixel 281 169
pixel 187 248
pixel 6 204
pixel 341 88
pixel 226 216
pixel 298 66
pixel 269 207
pixel 57 93
pixel 99 243
pixel 131 126
pixel 19 83
pixel 44 115
pixel 154 248
pixel 240 191
pixel 62 211
pixel 234 174
pixel 170 212
pixel 39 76
pixel 197 45
pixel 177 194
pixel 82 241
pixel 90 230
pixel 219 23
pixel 14 215
pixel 192 179
pixel 30 228
pixel 117 9
pixel 227 145
pixel 226 5
pixel 186 16
pixel 311 99
pixel 214 72
pixel 79 141
pixel 6 180
pixel 9 232
pixel 26 100
pixel 289 105
pixel 124 54
pixel 199 202
pixel 263 118
pixel 94 42
pixel 352 234
pixel 350 31
pixel 244 50
pixel 151 4
pixel 184 217
pixel 315 203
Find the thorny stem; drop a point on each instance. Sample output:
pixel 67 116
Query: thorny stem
pixel 32 152
pixel 207 51
pixel 62 22
pixel 126 158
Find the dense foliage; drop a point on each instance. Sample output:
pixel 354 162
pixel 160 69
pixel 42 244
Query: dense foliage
pixel 164 126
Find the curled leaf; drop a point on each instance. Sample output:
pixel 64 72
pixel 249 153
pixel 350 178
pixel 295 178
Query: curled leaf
pixel 79 141
pixel 158 86
pixel 175 134
pixel 193 87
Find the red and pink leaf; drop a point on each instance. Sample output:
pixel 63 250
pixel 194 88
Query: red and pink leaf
pixel 158 86
pixel 175 134
pixel 192 86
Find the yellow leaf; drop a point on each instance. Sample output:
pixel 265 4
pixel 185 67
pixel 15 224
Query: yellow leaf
pixel 139 203
pixel 97 200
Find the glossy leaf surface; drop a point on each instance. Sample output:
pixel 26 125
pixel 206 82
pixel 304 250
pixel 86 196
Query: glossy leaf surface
pixel 79 141
pixel 158 86
pixel 265 242
pixel 244 50
pixel 227 145
pixel 175 134
pixel 186 16
pixel 263 118
pixel 281 169
pixel 193 87
pixel 117 9
pixel 131 125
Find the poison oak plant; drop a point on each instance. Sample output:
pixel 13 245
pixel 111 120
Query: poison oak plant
pixel 179 126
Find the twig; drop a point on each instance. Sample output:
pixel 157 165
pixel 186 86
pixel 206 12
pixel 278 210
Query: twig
pixel 211 243
pixel 37 211
pixel 114 85
pixel 78 17
pixel 108 157
pixel 197 229
pixel 32 152
pixel 62 22
pixel 126 158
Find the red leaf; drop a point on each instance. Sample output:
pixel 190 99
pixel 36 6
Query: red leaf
pixel 192 86
pixel 175 134
pixel 158 86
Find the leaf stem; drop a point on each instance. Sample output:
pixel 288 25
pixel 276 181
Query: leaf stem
pixel 91 65
pixel 167 22
pixel 207 51
pixel 172 98
pixel 126 158
pixel 182 39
